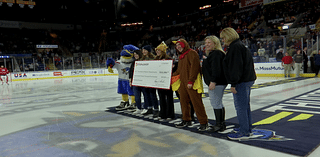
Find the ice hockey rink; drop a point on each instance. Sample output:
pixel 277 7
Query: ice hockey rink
pixel 67 117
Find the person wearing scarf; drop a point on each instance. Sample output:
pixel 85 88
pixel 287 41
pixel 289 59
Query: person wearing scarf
pixel 191 87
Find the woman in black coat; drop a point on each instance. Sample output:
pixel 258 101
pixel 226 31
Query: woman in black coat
pixel 213 75
pixel 239 71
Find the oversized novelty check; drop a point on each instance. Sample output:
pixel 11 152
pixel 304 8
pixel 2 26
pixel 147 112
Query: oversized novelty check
pixel 155 74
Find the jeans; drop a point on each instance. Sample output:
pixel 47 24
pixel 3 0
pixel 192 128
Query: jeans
pixel 242 106
pixel 215 96
pixel 151 94
pixel 137 93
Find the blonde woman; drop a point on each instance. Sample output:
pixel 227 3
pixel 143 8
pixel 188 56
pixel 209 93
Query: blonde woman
pixel 165 95
pixel 239 71
pixel 213 75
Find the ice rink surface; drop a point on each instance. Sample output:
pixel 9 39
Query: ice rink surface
pixel 66 117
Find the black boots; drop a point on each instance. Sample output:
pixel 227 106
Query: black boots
pixel 220 120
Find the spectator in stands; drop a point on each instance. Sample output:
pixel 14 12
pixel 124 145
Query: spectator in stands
pixel 256 57
pixel 261 31
pixel 261 51
pixel 31 66
pixel 26 67
pixel 287 64
pixel 239 71
pixel 239 30
pixel 297 60
pixel 201 52
pixel 253 44
pixel 279 55
pixel 291 50
pixel 268 47
pixel 245 31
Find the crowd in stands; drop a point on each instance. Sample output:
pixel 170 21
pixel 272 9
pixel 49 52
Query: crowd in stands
pixel 263 40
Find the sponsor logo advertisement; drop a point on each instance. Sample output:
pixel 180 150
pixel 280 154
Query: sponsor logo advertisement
pixel 9 24
pixel 78 72
pixel 57 74
pixel 41 74
pixel 96 72
pixel 47 46
pixel 246 3
pixel 20 75
pixel 268 68
pixel 271 1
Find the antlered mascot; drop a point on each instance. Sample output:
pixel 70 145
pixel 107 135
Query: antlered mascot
pixel 123 67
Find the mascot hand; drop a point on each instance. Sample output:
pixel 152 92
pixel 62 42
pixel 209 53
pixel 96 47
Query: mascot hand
pixel 110 69
pixel 127 69
pixel 110 62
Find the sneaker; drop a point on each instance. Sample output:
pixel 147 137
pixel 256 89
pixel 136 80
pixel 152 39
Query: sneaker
pixel 203 127
pixel 132 107
pixel 144 111
pixel 149 111
pixel 238 136
pixel 123 105
pixel 138 111
pixel 184 124
pixel 235 130
pixel 156 113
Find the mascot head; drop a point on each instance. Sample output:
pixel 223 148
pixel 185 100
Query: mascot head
pixel 127 53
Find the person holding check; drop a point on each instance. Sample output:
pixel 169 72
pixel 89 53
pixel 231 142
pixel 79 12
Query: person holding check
pixel 165 95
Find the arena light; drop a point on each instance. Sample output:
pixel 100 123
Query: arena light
pixel 9 2
pixel 285 27
pixel 205 7
pixel 131 24
pixel 21 3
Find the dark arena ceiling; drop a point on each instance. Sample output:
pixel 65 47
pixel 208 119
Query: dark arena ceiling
pixel 107 12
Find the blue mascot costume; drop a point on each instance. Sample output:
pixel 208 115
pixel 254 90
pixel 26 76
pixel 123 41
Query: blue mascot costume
pixel 123 67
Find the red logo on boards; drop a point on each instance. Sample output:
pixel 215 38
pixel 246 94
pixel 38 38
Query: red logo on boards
pixel 57 74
